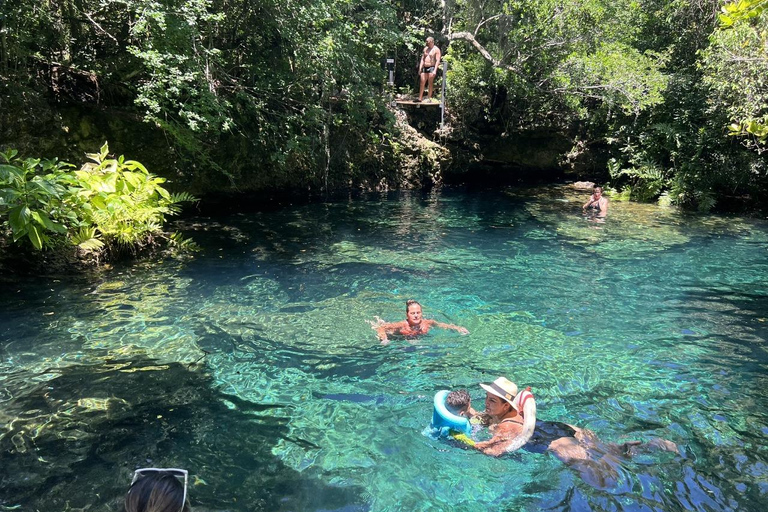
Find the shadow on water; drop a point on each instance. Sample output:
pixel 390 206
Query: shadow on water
pixel 73 439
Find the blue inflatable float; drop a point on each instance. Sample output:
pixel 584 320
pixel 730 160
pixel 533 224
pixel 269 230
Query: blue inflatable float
pixel 444 420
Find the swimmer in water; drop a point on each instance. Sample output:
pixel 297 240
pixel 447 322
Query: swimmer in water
pixel 597 203
pixel 514 426
pixel 413 325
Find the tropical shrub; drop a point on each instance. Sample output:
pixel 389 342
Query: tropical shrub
pixel 32 195
pixel 120 199
pixel 107 205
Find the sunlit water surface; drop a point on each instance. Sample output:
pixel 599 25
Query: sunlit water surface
pixel 254 366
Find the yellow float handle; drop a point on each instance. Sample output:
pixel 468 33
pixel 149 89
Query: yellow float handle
pixel 462 438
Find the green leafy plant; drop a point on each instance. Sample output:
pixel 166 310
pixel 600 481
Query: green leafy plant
pixel 108 204
pixel 733 12
pixel 178 244
pixel 120 199
pixel 87 239
pixel 646 178
pixel 31 198
pixel 736 66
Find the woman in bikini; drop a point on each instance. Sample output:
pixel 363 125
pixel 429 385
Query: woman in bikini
pixel 597 203
pixel 503 406
pixel 413 325
pixel 513 425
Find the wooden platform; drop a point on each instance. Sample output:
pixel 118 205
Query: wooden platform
pixel 418 103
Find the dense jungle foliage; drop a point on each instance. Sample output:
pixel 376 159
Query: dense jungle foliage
pixel 662 99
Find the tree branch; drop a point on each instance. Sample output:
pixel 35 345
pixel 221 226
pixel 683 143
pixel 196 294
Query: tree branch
pixel 466 36
pixel 95 24
pixel 477 29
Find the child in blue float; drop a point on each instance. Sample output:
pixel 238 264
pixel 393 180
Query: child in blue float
pixel 459 403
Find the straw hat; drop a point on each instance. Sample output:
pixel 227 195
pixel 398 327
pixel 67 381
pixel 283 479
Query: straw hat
pixel 502 388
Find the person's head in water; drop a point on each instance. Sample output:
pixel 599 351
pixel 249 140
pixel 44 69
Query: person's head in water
pixel 413 313
pixel 458 402
pixel 157 490
pixel 597 192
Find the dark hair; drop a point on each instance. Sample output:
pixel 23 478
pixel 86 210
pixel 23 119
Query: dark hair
pixel 598 188
pixel 457 400
pixel 156 492
pixel 410 303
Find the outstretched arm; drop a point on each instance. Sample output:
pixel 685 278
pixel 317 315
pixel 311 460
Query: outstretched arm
pixel 457 328
pixel 493 447
pixel 497 445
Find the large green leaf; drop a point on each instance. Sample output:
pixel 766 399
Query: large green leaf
pixel 10 173
pixel 9 155
pixel 35 237
pixel 133 179
pixel 109 184
pixel 133 165
pixel 47 187
pixel 43 220
pixel 18 218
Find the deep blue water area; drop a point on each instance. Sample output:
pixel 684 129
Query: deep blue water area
pixel 254 364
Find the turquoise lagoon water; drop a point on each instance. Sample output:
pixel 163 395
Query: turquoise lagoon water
pixel 254 366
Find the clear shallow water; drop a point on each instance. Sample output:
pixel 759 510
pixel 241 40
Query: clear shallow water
pixel 254 367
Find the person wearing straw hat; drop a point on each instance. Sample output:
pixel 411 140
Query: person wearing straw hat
pixel 513 417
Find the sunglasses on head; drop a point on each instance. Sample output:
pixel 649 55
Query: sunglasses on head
pixel 179 473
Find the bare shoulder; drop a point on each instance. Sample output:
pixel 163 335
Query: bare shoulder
pixel 395 325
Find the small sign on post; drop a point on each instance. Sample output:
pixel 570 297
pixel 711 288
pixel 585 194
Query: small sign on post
pixel 391 70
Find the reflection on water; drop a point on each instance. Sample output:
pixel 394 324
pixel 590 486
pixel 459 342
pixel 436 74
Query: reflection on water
pixel 254 365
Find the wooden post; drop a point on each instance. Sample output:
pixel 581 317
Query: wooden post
pixel 442 98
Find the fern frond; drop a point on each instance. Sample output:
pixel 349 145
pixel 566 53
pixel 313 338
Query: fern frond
pixel 183 197
pixel 86 239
